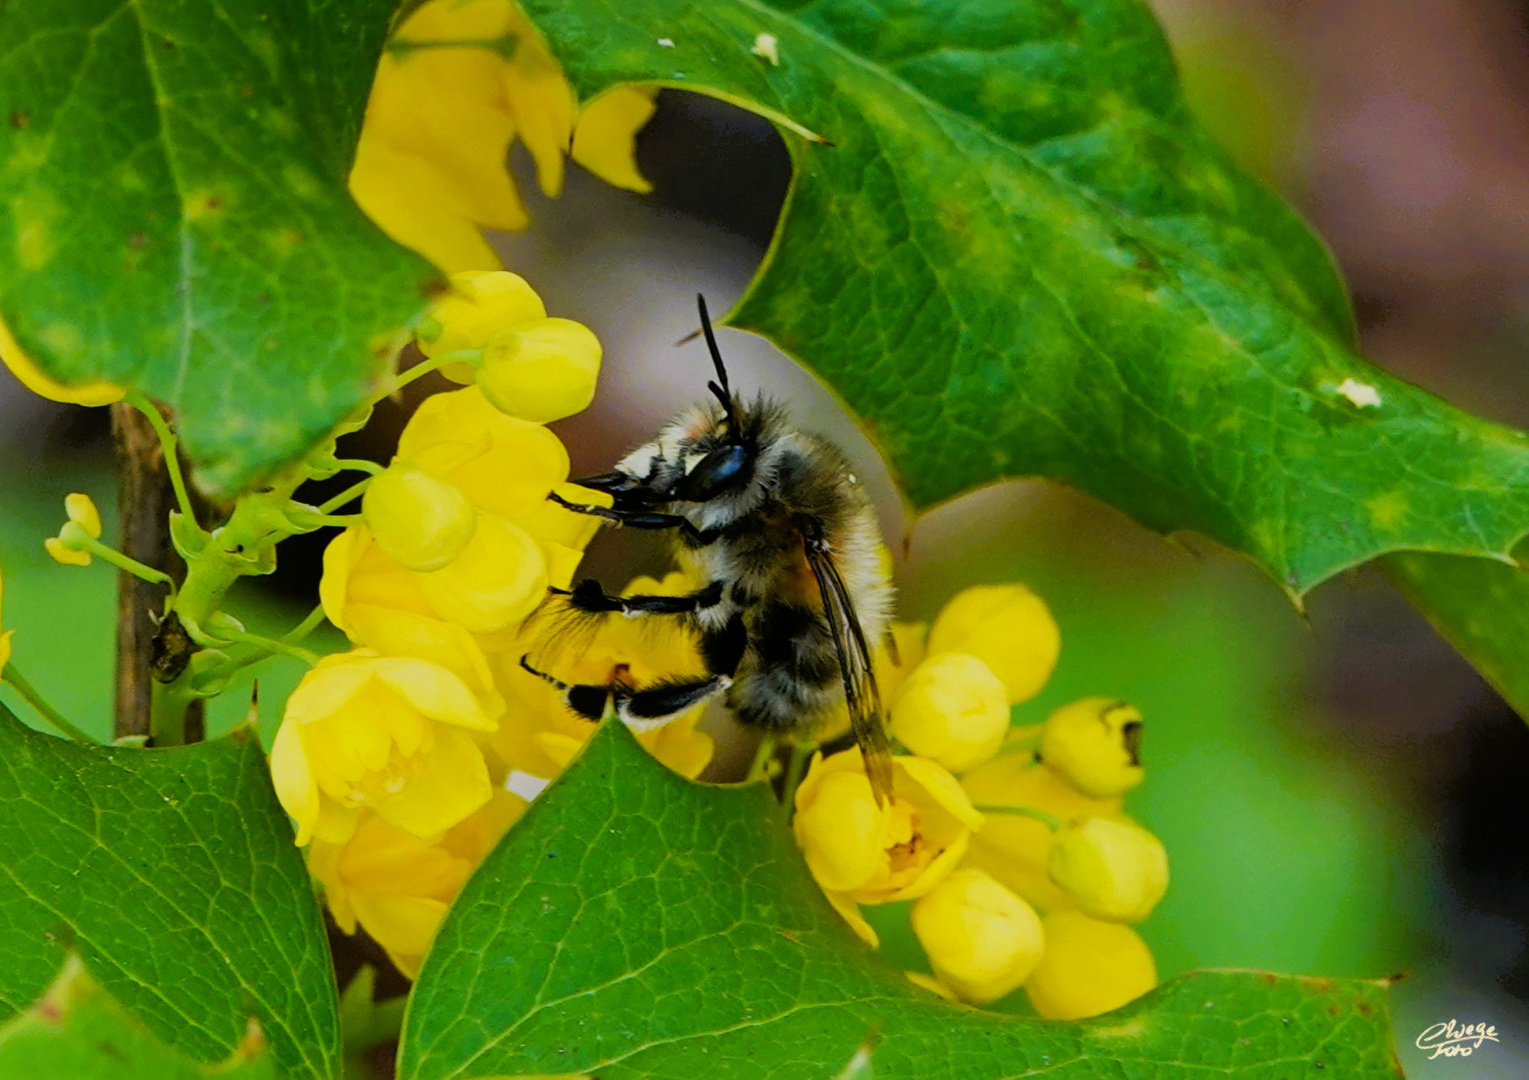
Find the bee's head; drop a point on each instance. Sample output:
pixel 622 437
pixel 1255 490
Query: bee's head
pixel 705 454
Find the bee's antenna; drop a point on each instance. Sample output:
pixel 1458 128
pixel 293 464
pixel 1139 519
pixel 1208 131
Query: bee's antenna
pixel 724 392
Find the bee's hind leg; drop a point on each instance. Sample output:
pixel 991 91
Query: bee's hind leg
pixel 640 710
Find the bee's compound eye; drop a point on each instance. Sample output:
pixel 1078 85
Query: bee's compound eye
pixel 714 474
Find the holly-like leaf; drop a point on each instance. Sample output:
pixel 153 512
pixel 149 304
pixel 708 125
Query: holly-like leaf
pixel 637 924
pixel 176 216
pixel 173 874
pixel 1016 253
pixel 1481 607
pixel 77 1032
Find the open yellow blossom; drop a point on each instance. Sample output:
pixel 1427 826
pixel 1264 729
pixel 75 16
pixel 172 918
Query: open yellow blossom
pixel 1009 628
pixel 461 79
pixel 390 734
pixel 31 376
pixel 1089 967
pixel 1096 744
pixel 519 542
pixel 875 853
pixel 981 939
pixel 1013 848
pixel 84 522
pixel 397 886
pixel 953 709
pixel 1110 868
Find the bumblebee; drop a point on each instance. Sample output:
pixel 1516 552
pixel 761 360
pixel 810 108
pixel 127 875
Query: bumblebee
pixel 787 540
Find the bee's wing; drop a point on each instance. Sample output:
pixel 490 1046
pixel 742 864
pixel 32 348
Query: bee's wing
pixel 860 692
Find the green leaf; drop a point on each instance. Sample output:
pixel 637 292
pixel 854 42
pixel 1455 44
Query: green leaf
pixel 1480 607
pixel 637 924
pixel 77 1032
pixel 176 216
pixel 173 874
pixel 1018 254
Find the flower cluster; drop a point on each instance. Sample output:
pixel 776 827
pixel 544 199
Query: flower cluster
pixel 394 758
pixel 1009 841
pixel 460 81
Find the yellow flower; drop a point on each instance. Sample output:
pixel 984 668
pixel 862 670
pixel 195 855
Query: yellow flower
pixel 385 733
pixel 1089 967
pixel 953 709
pixel 1006 626
pixel 1110 868
pixel 982 940
pixel 397 886
pixel 84 523
pixel 529 366
pixel 876 853
pixel 541 371
pixel 1096 744
pixel 421 522
pixel 32 377
pixel 478 305
pixel 430 167
pixel 520 542
pixel 1011 847
pixel 379 604
pixel 541 734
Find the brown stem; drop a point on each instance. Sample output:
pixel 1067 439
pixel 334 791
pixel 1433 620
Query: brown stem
pixel 145 498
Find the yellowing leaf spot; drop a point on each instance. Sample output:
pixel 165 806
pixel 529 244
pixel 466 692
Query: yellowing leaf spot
pixel 34 216
pixel 1360 395
pixel 62 341
pixel 767 46
pixel 201 205
pixel 1133 1029
pixel 1387 510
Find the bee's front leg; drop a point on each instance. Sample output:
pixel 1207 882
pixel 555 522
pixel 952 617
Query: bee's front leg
pixel 590 597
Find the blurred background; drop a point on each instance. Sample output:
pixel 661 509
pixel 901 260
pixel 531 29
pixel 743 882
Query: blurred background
pixel 1340 794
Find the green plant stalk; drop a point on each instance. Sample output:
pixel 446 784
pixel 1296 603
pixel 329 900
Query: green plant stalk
pixel 241 547
pixel 1051 821
pixel 30 694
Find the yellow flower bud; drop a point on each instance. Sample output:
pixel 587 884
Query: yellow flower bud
pixel 953 709
pixel 982 940
pixel 481 303
pixel 541 371
pixel 386 733
pixel 1089 967
pixel 493 583
pixel 1110 868
pixel 875 853
pixel 1006 626
pixel 71 545
pixel 1013 848
pixel 82 511
pixel 32 377
pixel 421 522
pixel 1096 744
